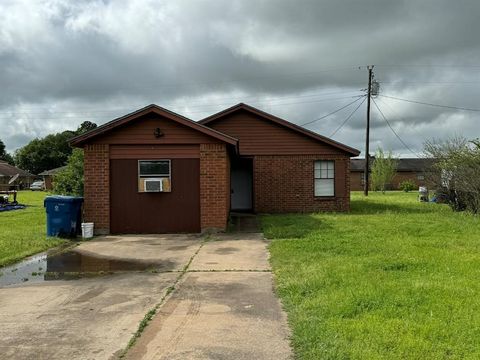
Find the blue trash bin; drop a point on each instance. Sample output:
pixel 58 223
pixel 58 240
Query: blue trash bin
pixel 63 215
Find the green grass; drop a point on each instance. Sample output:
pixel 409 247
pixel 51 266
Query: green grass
pixel 393 279
pixel 23 232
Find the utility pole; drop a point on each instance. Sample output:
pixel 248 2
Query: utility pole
pixel 367 140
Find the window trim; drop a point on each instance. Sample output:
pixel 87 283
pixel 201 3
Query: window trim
pixel 319 197
pixel 154 176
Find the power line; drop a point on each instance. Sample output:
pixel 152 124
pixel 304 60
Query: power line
pixel 430 104
pixel 391 128
pixel 109 114
pixel 429 83
pixel 348 118
pixel 431 65
pixel 189 104
pixel 333 112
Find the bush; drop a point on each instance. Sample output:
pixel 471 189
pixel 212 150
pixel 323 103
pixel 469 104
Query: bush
pixel 457 169
pixel 70 180
pixel 407 185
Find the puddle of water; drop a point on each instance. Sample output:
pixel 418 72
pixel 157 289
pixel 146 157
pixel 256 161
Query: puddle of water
pixel 70 265
pixel 25 271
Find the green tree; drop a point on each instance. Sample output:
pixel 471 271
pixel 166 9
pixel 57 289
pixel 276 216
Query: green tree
pixel 44 154
pixel 69 181
pixel 50 152
pixel 85 127
pixel 4 155
pixel 383 170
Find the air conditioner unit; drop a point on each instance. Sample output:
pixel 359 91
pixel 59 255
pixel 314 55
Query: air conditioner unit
pixel 153 185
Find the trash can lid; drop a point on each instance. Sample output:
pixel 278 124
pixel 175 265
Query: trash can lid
pixel 63 198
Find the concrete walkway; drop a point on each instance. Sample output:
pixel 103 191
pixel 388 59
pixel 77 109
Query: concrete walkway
pixel 223 305
pixel 223 308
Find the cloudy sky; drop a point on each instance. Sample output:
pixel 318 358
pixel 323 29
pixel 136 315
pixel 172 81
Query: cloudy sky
pixel 63 62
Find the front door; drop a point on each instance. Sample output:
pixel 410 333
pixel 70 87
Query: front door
pixel 241 185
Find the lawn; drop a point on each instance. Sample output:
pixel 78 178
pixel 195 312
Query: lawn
pixel 393 279
pixel 23 232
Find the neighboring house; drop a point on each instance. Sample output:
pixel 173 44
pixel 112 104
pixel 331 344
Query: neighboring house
pixel 48 175
pixel 7 171
pixel 413 169
pixel 154 171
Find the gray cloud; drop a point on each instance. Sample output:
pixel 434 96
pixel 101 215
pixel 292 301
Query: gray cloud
pixel 64 62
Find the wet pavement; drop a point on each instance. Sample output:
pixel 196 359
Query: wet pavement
pixel 72 265
pixel 223 305
pixel 244 223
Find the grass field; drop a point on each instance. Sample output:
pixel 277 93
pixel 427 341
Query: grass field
pixel 22 232
pixel 393 279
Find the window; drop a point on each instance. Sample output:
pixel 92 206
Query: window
pixel 324 178
pixel 362 178
pixel 420 176
pixel 154 176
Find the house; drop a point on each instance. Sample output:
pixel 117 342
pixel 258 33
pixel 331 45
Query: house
pixel 154 171
pixel 413 169
pixel 7 172
pixel 48 175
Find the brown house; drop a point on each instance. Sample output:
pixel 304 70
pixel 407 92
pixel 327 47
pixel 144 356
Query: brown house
pixel 48 176
pixel 412 169
pixel 23 178
pixel 154 171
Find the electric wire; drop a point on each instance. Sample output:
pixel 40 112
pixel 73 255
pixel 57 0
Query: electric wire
pixel 333 112
pixel 348 117
pixel 268 102
pixel 430 104
pixel 393 130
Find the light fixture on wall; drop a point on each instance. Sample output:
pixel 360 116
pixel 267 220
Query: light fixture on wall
pixel 158 133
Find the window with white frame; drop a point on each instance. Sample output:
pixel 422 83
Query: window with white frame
pixel 154 176
pixel 324 178
pixel 420 176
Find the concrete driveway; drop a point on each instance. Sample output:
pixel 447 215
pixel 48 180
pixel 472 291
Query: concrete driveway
pixel 222 306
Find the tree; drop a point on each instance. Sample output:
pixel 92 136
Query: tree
pixel 49 152
pixel 44 154
pixel 383 170
pixel 456 171
pixel 69 181
pixel 4 155
pixel 84 127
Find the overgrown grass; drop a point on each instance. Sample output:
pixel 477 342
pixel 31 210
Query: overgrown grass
pixel 393 279
pixel 23 232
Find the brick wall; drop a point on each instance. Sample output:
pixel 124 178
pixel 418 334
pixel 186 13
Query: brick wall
pixel 286 184
pixel 214 186
pixel 357 183
pixel 97 187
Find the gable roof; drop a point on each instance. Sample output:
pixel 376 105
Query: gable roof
pixel 9 170
pixel 102 129
pixel 405 164
pixel 52 171
pixel 281 122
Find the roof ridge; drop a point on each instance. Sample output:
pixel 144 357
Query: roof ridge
pixel 282 122
pixel 77 140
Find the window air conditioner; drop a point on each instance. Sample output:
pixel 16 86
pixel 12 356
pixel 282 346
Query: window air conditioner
pixel 153 185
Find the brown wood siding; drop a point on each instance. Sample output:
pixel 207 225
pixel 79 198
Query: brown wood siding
pixel 174 212
pixel 141 131
pixel 258 136
pixel 154 152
